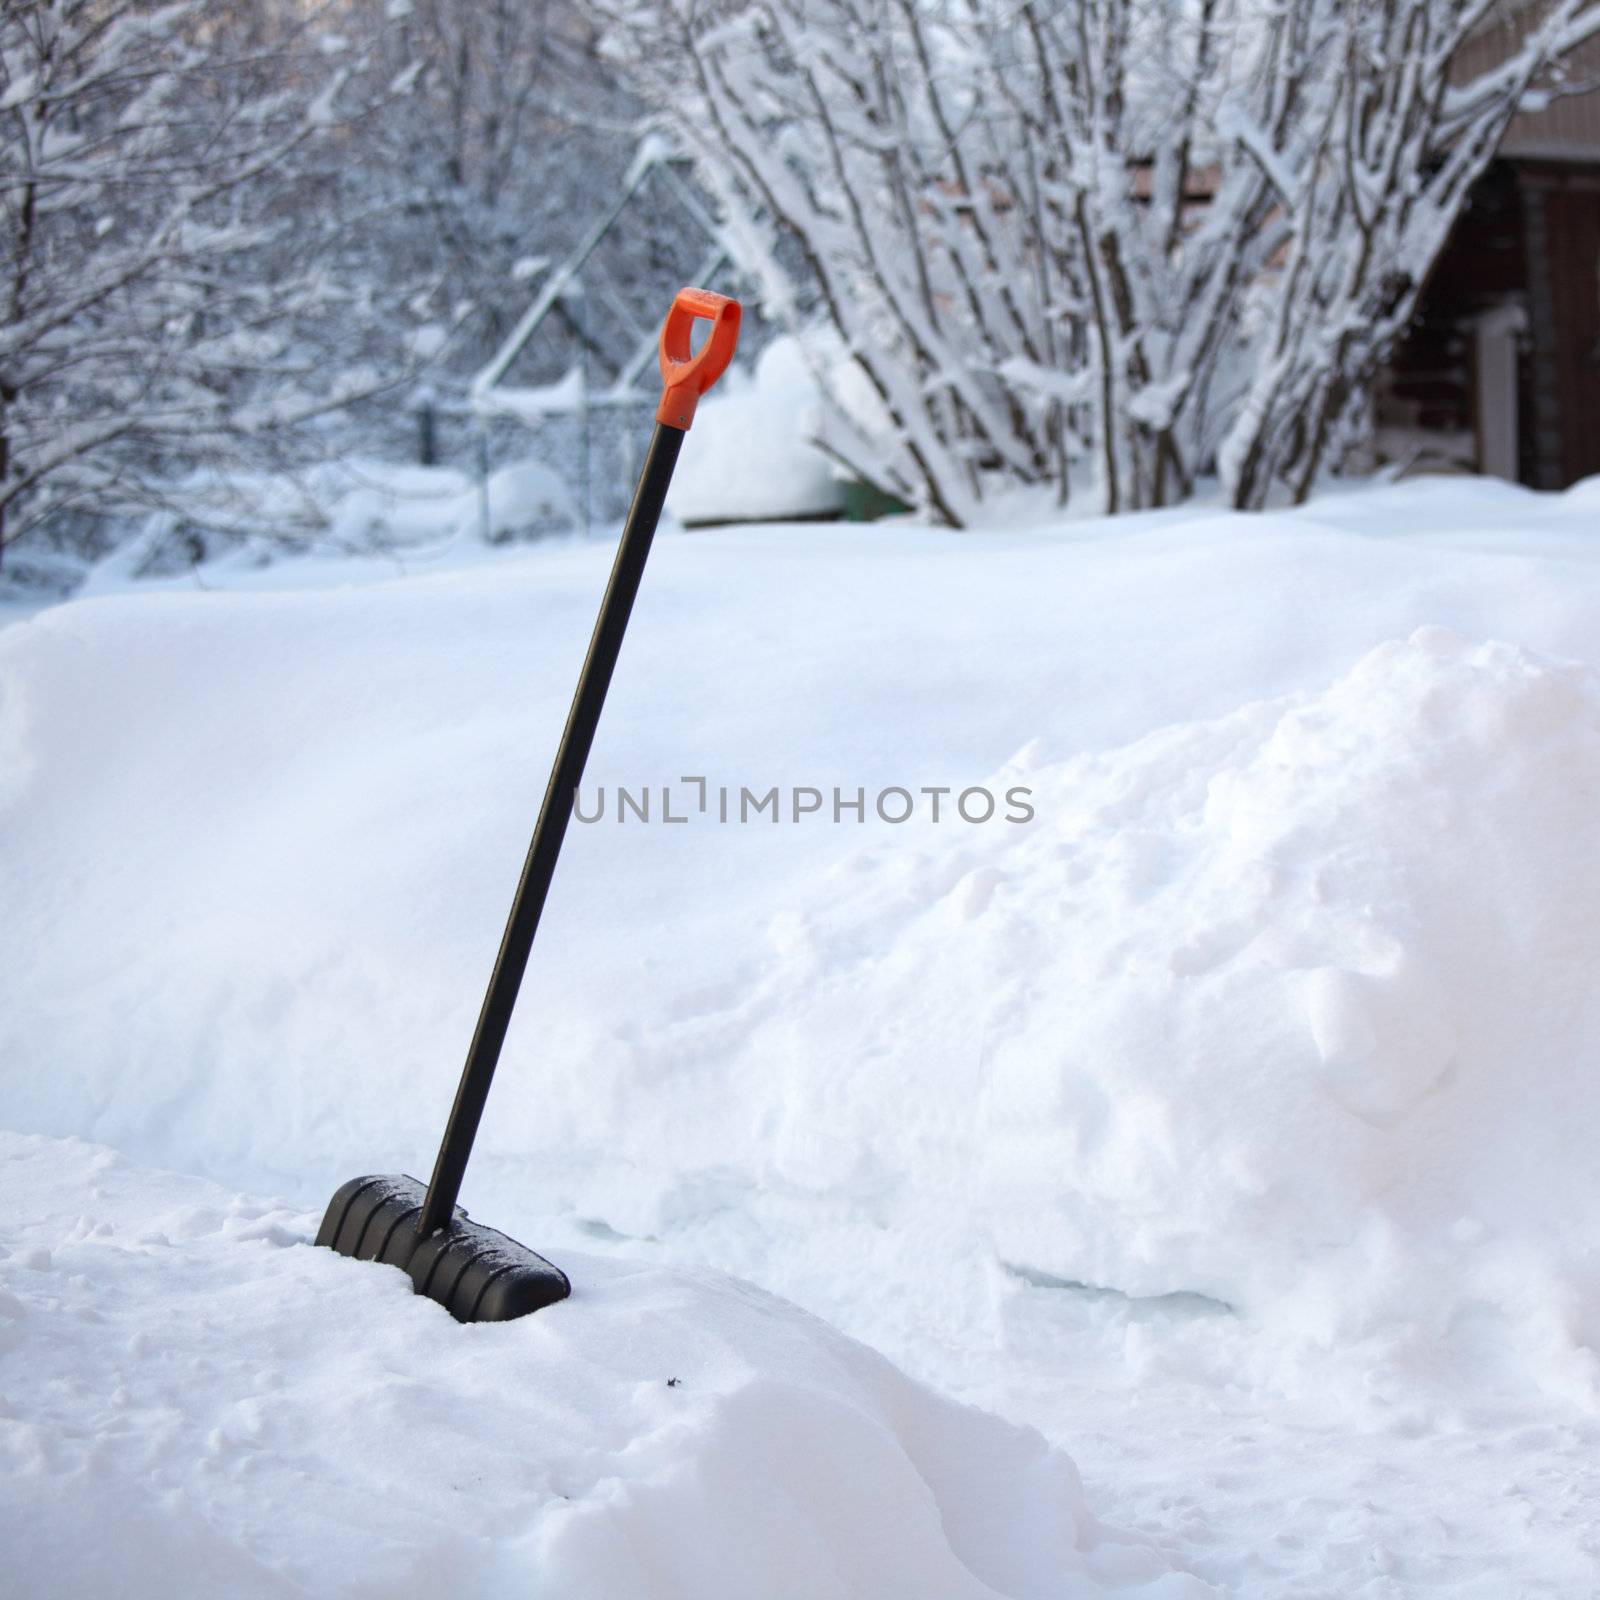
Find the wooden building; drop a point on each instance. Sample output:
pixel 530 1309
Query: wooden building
pixel 1500 372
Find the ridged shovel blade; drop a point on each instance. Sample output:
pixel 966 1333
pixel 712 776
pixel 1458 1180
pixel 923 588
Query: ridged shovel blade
pixel 475 1273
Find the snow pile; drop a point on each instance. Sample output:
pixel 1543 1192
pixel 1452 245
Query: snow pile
pixel 338 508
pixel 1294 1009
pixel 190 1391
pixel 395 507
pixel 526 500
pixel 377 505
pixel 1288 1007
pixel 751 458
pixel 1281 998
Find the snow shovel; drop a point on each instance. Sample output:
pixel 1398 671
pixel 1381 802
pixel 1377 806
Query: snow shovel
pixel 479 1275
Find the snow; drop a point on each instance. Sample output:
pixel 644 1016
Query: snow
pixel 1225 1124
pixel 526 500
pixel 752 457
pixel 183 1369
pixel 532 406
pixel 403 506
pixel 393 512
pixel 1276 963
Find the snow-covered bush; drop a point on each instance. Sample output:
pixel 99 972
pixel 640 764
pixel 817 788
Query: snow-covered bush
pixel 515 137
pixel 1151 236
pixel 165 283
pixel 233 234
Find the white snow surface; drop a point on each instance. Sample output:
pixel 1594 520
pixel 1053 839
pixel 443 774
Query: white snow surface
pixel 1289 1008
pixel 1229 1123
pixel 752 456
pixel 194 1392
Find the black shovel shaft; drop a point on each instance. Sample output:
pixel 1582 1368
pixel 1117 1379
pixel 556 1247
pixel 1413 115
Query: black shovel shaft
pixel 551 829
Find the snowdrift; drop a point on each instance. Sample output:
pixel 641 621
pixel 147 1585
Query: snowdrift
pixel 1294 1009
pixel 192 1394
pixel 1280 1000
pixel 753 458
pixel 1285 1004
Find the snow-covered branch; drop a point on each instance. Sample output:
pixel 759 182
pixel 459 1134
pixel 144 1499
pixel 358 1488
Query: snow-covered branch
pixel 165 269
pixel 1209 218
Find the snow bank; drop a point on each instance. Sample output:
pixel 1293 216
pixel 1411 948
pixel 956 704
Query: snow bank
pixel 338 509
pixel 751 459
pixel 256 850
pixel 402 506
pixel 526 501
pixel 1294 1009
pixel 1280 998
pixel 389 504
pixel 193 1394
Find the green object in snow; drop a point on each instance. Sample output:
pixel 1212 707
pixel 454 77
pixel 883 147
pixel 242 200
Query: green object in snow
pixel 866 502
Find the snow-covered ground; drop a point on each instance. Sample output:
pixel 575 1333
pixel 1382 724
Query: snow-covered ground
pixel 203 1405
pixel 1229 1122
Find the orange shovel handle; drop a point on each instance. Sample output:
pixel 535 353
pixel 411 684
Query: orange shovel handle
pixel 686 377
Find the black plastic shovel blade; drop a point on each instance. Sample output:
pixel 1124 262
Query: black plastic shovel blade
pixel 476 1274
